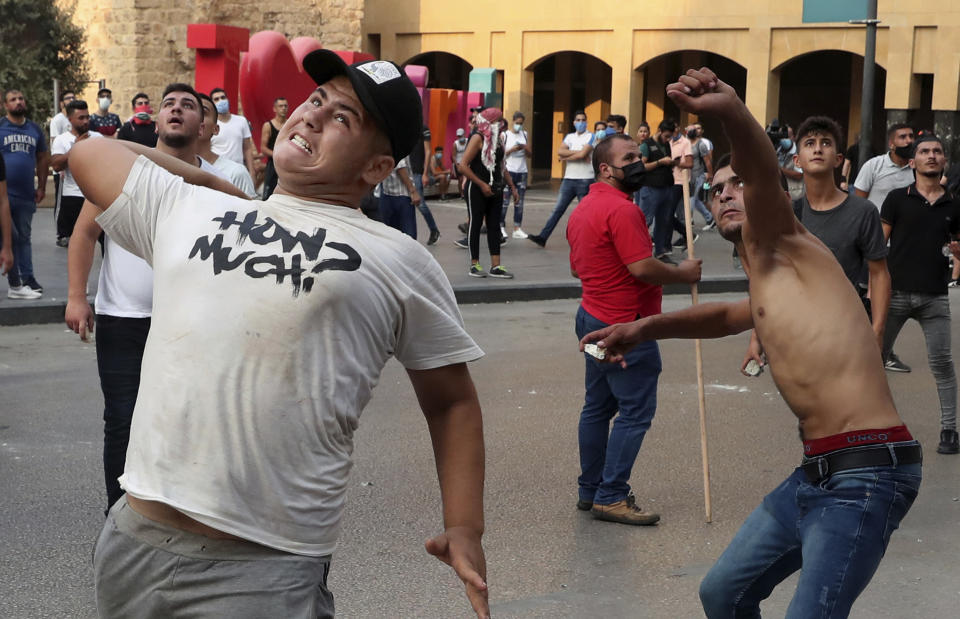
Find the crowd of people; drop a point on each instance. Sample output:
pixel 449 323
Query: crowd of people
pixel 838 257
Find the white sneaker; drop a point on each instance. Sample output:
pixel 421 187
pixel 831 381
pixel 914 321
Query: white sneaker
pixel 519 234
pixel 503 232
pixel 23 292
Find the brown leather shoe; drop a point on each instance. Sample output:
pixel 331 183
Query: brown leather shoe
pixel 625 512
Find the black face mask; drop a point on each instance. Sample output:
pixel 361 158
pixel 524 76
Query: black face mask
pixel 692 134
pixel 904 152
pixel 633 176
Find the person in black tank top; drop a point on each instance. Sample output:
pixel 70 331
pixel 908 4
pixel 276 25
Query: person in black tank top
pixel 268 137
pixel 482 166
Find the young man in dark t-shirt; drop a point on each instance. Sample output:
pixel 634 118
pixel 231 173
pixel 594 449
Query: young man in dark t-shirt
pixel 922 221
pixel 848 225
pixel 140 128
pixel 103 121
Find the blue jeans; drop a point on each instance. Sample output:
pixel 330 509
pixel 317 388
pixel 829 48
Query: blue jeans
pixel 657 206
pixel 422 207
pixel 520 180
pixel 21 212
pixel 695 200
pixel 570 188
pixel 835 532
pixel 932 311
pixel 120 343
pixel 397 212
pixel 607 455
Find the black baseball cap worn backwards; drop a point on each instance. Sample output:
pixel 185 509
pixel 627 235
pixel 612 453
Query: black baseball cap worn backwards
pixel 386 93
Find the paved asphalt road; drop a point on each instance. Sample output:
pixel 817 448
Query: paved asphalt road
pixel 545 558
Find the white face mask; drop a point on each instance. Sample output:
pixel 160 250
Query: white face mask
pixel 104 102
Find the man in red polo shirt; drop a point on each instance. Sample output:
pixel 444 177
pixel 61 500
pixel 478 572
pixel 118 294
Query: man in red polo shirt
pixel 612 255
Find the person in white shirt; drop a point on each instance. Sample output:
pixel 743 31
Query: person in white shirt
pixel 234 141
pixel 575 151
pixel 272 321
pixel 69 198
pixel 125 291
pixel 59 123
pixel 882 174
pixel 231 170
pixel 516 150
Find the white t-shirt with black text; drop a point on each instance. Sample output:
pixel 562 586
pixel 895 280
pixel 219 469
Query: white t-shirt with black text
pixel 125 284
pixel 272 322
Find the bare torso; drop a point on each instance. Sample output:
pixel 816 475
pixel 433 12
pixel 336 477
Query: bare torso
pixel 822 352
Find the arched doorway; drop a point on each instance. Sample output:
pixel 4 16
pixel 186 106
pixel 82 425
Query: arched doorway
pixel 563 83
pixel 665 69
pixel 829 83
pixel 445 70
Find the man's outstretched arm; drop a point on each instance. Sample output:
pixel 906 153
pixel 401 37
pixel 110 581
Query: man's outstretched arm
pixel 89 158
pixel 768 209
pixel 706 321
pixel 450 405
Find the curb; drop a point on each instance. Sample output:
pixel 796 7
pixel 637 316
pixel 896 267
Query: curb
pixel 47 312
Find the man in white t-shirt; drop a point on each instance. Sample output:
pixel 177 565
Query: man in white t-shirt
pixel 882 174
pixel 234 141
pixel 272 321
pixel 231 170
pixel 575 151
pixel 516 149
pixel 69 198
pixel 125 291
pixel 59 123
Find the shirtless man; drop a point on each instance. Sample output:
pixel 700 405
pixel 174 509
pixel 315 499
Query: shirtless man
pixel 861 470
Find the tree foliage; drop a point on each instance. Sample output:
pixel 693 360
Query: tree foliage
pixel 39 43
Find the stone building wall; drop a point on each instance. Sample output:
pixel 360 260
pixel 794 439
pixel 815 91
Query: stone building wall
pixel 141 45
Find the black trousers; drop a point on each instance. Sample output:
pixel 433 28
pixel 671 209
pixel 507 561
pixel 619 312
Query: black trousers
pixel 482 208
pixel 120 343
pixel 67 216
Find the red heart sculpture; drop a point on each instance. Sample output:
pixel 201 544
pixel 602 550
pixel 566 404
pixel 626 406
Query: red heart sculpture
pixel 271 68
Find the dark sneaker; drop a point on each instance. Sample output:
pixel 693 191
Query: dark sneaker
pixel 461 243
pixel 665 258
pixel 624 512
pixel 949 443
pixel 477 271
pixel 462 227
pixel 710 226
pixel 893 364
pixel 539 240
pixel 499 271
pixel 434 235
pixel 31 282
pixel 584 506
pixel 63 241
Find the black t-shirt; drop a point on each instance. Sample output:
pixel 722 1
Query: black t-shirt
pixel 476 165
pixel 851 230
pixel 417 156
pixel 141 134
pixel 661 176
pixel 919 232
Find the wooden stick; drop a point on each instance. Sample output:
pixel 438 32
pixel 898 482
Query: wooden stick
pixel 702 400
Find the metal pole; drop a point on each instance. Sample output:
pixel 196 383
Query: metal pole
pixel 869 72
pixel 56 97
